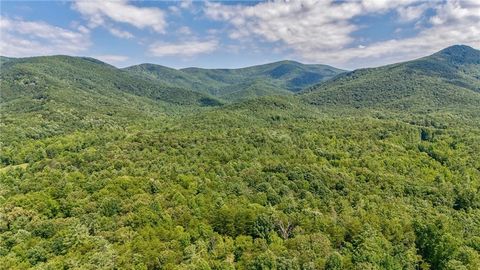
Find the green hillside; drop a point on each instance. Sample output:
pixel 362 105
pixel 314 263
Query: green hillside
pixel 91 75
pixel 276 77
pixel 4 59
pixel 101 170
pixel 252 89
pixel 171 76
pixel 57 92
pixel 447 79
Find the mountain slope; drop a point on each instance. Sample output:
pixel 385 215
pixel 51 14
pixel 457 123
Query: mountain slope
pixel 289 75
pixel 278 77
pixel 449 78
pixel 252 89
pixel 61 93
pixel 92 75
pixel 170 76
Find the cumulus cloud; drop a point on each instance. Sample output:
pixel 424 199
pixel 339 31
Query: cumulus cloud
pixel 100 13
pixel 411 13
pixel 323 30
pixel 20 38
pixel 183 49
pixel 120 33
pixel 383 5
pixel 186 4
pixel 306 24
pixel 455 22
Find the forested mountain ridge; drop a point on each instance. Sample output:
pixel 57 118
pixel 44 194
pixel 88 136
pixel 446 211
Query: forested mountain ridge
pixel 280 77
pixel 169 75
pixel 449 78
pixel 89 75
pixel 96 177
pixel 62 93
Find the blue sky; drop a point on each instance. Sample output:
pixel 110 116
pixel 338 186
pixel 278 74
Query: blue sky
pixel 229 34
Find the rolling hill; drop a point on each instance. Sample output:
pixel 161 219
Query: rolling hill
pixel 279 78
pixel 446 79
pixel 56 92
pixel 90 75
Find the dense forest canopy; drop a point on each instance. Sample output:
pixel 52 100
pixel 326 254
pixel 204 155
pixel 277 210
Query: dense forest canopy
pixel 103 168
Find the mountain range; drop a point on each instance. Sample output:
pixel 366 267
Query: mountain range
pixel 282 78
pixel 447 78
pixel 277 166
pixel 84 91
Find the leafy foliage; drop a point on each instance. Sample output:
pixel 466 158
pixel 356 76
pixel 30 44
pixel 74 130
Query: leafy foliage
pixel 109 179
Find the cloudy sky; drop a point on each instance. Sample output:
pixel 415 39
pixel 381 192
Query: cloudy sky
pixel 345 34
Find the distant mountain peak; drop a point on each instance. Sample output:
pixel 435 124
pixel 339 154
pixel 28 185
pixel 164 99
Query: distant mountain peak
pixel 460 54
pixel 448 78
pixel 455 49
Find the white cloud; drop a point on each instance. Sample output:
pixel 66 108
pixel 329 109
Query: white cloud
pixel 454 23
pixel 185 49
pixel 182 7
pixel 323 31
pixel 174 10
pixel 120 33
pixel 99 13
pixel 410 13
pixel 20 38
pixel 112 59
pixel 298 24
pixel 184 30
pixel 185 4
pixel 306 25
pixel 383 5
